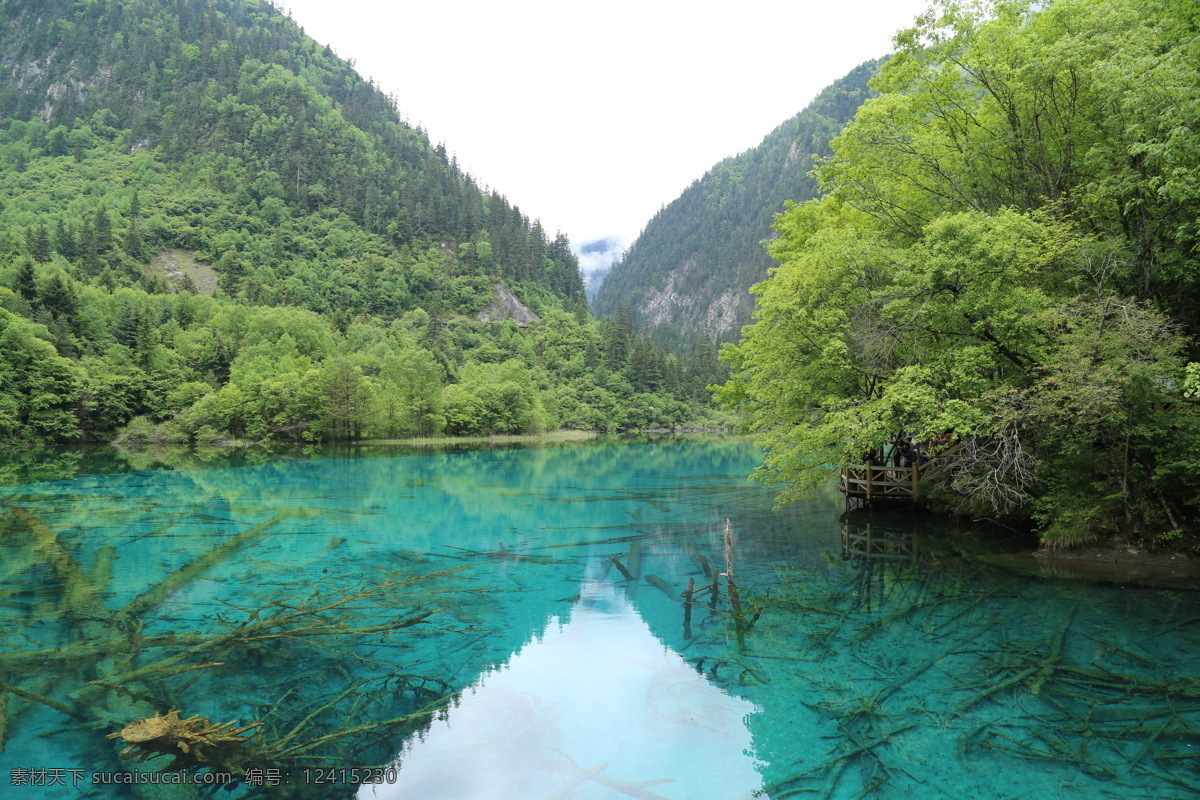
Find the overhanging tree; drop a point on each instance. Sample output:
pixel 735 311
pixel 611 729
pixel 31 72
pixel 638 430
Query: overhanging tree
pixel 992 233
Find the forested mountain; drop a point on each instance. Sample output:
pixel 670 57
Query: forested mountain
pixel 688 275
pixel 210 221
pixel 1009 252
pixel 256 114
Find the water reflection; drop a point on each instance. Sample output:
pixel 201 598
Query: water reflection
pixel 596 707
pixel 879 656
pixel 867 541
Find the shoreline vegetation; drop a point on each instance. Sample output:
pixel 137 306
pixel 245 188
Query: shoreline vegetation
pixel 559 435
pixel 550 436
pixel 1005 253
pixel 509 438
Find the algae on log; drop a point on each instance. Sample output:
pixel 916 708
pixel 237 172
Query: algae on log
pixel 191 743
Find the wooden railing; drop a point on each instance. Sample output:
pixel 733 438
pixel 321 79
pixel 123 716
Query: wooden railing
pixel 877 482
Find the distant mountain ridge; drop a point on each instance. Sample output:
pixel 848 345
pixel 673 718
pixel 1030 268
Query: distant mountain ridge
pixel 687 276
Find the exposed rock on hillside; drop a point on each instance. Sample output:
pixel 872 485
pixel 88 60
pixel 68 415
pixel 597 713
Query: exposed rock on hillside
pixel 505 305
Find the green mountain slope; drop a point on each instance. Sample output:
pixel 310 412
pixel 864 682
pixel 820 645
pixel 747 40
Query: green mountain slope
pixel 210 226
pixel 236 98
pixel 687 276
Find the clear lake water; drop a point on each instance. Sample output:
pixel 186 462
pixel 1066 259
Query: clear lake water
pixel 509 624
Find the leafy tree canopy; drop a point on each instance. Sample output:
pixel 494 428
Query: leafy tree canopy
pixel 1006 249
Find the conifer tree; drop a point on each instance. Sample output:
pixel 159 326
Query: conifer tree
pixel 25 283
pixel 134 244
pixel 39 243
pixel 102 231
pixel 92 265
pixel 128 320
pixel 59 297
pixel 64 240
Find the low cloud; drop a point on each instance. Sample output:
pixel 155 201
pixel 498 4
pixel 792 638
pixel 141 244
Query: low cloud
pixel 604 245
pixel 595 258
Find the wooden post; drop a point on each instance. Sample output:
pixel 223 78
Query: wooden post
pixel 728 551
pixel 914 478
pixel 736 604
pixel 868 481
pixel 687 608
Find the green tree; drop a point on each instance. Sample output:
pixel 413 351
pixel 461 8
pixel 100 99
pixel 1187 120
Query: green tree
pixel 417 379
pixel 101 231
pixel 348 399
pixel 25 281
pixel 134 242
pixel 114 391
pixel 58 296
pixel 39 243
pixel 39 386
pixel 64 240
pixel 984 262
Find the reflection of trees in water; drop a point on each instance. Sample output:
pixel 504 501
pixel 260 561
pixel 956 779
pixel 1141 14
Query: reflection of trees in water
pixel 905 640
pixel 892 555
pixel 21 465
pixel 312 681
pixel 515 494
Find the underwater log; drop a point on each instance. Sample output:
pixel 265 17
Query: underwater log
pixel 186 574
pixel 621 568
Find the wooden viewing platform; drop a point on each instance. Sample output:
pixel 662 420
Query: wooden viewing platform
pixel 870 483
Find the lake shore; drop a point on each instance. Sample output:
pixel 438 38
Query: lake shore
pixel 1112 565
pixel 432 441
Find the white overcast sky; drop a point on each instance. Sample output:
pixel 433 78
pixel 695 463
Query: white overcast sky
pixel 591 116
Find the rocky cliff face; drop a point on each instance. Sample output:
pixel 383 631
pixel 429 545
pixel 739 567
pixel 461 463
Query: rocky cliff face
pixel 713 318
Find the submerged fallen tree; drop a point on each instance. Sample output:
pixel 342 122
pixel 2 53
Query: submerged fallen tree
pixel 920 644
pixel 124 675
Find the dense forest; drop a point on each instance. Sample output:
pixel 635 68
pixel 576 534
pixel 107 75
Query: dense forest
pixel 1006 249
pixel 211 228
pixel 688 275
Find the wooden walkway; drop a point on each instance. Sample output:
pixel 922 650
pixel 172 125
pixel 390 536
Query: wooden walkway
pixel 883 483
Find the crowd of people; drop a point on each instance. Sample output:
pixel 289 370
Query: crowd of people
pixel 905 452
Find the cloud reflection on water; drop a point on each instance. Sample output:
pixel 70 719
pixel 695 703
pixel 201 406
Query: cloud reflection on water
pixel 598 707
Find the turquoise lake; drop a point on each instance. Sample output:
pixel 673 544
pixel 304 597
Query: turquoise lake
pixel 509 624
